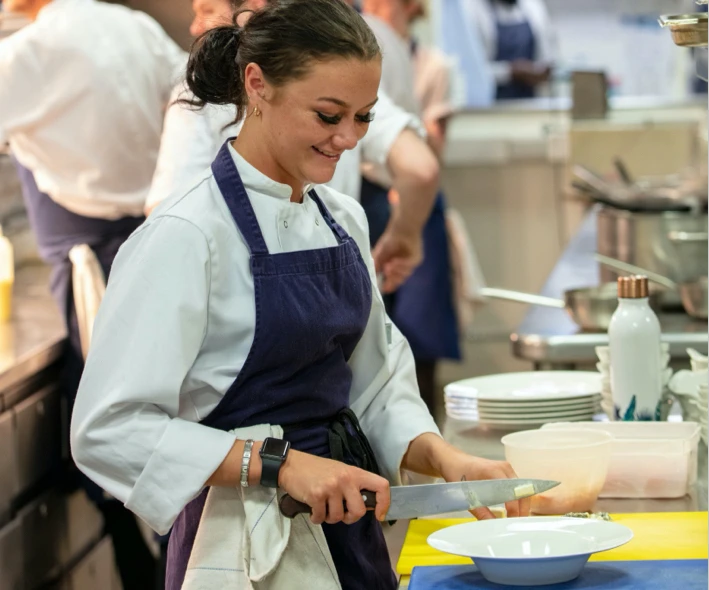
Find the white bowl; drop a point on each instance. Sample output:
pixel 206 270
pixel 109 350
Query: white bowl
pixel 530 551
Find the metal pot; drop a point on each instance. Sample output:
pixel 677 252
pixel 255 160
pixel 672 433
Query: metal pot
pixel 649 240
pixel 591 308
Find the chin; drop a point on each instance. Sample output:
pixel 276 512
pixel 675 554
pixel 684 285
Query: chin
pixel 320 174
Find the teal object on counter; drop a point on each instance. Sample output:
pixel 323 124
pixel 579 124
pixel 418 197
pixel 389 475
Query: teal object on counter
pixel 690 574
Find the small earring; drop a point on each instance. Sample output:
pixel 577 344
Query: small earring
pixel 257 112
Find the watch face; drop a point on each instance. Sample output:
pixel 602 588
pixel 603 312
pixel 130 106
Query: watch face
pixel 274 447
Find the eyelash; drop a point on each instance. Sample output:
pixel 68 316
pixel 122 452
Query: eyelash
pixel 368 118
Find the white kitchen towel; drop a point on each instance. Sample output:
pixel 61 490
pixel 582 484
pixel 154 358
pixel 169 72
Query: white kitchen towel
pixel 89 287
pixel 468 279
pixel 243 541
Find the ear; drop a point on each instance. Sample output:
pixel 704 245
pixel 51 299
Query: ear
pixel 255 83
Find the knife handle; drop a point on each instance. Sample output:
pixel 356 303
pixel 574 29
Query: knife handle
pixel 290 507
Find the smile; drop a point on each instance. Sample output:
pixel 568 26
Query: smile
pixel 333 157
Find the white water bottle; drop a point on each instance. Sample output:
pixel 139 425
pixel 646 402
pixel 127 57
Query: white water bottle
pixel 635 353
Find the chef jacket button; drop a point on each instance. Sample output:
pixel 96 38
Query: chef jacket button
pixel 317 221
pixel 285 224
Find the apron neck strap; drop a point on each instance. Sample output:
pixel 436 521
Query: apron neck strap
pixel 329 219
pixel 234 193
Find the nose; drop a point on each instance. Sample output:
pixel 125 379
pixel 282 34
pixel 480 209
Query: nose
pixel 347 137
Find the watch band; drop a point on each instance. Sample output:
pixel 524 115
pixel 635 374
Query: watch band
pixel 271 461
pixel 245 461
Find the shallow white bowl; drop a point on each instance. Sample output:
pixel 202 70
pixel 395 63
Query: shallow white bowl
pixel 530 551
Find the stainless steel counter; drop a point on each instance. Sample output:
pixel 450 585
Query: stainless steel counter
pixel 33 339
pixel 550 339
pixel 485 442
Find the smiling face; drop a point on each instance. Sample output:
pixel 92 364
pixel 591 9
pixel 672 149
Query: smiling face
pixel 209 14
pixel 308 123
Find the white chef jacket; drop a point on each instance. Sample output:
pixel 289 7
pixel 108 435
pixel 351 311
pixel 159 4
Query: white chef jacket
pixel 174 330
pixel 191 139
pixel 484 15
pixel 82 96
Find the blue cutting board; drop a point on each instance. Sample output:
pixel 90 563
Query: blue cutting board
pixel 690 574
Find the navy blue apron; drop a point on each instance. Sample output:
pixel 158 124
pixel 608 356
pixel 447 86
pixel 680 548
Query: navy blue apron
pixel 422 308
pixel 515 41
pixel 312 307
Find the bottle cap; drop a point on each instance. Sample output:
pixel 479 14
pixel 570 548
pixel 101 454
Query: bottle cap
pixel 633 287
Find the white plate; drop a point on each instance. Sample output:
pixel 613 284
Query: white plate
pixel 534 385
pixel 539 415
pixel 485 409
pixel 530 551
pixel 528 422
pixel 522 405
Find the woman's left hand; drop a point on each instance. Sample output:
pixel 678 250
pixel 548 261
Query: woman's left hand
pixel 459 466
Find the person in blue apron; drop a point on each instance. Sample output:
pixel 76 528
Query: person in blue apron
pixel 247 304
pixel 85 156
pixel 422 307
pixel 519 42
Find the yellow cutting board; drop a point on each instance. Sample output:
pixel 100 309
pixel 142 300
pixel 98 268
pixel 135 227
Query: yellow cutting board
pixel 659 535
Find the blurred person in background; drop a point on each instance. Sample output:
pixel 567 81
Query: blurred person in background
pixel 519 42
pixel 83 91
pixel 420 79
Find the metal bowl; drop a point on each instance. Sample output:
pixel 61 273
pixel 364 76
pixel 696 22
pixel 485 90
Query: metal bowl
pixel 592 307
pixel 688 30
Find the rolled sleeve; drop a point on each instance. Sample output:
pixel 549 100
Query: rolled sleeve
pixel 132 431
pixel 389 121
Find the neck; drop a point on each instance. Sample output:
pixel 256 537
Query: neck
pixel 253 149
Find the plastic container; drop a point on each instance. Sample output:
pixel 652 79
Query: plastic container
pixel 635 353
pixel 648 459
pixel 7 277
pixel 578 458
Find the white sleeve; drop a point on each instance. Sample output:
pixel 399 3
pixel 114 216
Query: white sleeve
pixel 384 393
pixel 187 148
pixel 389 121
pixel 26 94
pixel 125 433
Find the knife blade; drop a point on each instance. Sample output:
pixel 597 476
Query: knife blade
pixel 439 498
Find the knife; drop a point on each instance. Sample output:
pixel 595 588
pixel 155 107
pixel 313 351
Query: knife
pixel 439 498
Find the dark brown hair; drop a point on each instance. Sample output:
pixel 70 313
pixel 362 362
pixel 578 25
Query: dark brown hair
pixel 284 39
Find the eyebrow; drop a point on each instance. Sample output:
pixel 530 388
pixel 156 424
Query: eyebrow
pixel 342 103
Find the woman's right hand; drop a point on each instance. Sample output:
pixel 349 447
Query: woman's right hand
pixel 328 486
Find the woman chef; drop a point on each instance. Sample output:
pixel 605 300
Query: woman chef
pixel 246 306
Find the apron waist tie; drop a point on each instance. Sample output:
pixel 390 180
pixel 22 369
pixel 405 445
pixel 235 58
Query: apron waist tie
pixel 347 441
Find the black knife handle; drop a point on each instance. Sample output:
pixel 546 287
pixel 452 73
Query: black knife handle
pixel 291 507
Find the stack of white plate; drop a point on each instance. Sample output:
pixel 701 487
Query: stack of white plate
pixel 525 400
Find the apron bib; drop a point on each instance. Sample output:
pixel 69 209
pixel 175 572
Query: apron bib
pixel 515 41
pixel 312 307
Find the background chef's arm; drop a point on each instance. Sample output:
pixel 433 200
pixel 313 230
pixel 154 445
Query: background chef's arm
pixel 396 139
pixel 25 93
pixel 125 433
pixel 384 392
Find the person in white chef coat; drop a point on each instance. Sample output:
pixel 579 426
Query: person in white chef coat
pixel 519 41
pixel 395 142
pixel 423 307
pixel 242 350
pixel 83 89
